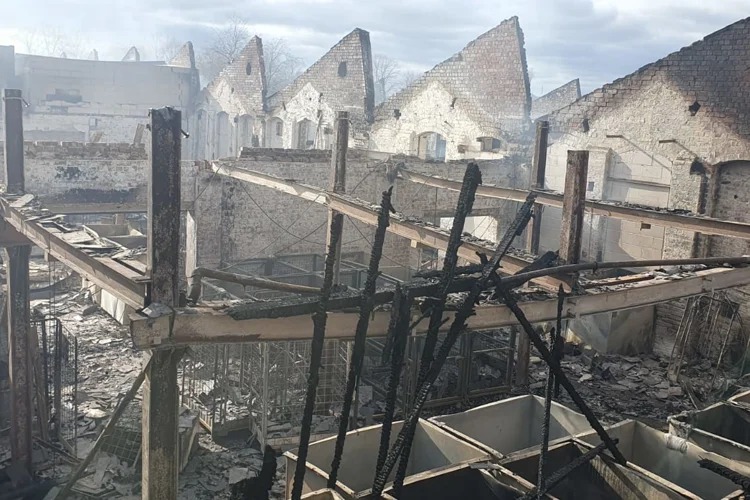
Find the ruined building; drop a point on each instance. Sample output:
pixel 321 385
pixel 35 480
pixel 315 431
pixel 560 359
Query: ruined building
pixel 214 263
pixel 233 111
pixel 81 100
pixel 473 105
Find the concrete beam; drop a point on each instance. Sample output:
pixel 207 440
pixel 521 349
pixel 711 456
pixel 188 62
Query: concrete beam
pixel 205 324
pixel 103 208
pixel 694 222
pixel 426 235
pixel 100 271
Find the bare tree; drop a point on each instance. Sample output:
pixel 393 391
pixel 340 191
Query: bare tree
pixel 163 48
pixel 282 67
pixel 53 42
pixel 409 77
pixel 225 45
pixel 385 72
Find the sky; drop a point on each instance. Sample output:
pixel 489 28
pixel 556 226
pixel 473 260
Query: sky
pixel 594 40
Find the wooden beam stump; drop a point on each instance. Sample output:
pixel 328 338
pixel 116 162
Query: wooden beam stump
pixel 338 177
pixel 574 204
pixel 160 392
pixel 17 272
pixel 17 266
pixel 533 236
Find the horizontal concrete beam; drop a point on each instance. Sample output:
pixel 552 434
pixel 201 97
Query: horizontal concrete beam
pixel 103 208
pixel 204 324
pixel 102 271
pixel 426 235
pixel 699 224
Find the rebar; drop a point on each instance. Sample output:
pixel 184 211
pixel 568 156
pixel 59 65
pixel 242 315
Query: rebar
pixel 557 477
pixel 735 477
pixel 405 437
pixel 472 180
pixel 548 394
pixel 399 320
pixel 319 331
pixel 559 374
pixel 358 351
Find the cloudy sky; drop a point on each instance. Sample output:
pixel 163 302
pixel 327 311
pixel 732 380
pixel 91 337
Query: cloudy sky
pixel 594 40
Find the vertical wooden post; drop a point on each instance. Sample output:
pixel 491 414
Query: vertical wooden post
pixel 574 204
pixel 14 171
pixel 160 394
pixel 17 282
pixel 538 172
pixel 338 176
pixel 328 379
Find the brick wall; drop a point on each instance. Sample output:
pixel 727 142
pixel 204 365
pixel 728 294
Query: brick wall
pixel 483 91
pixel 654 137
pixel 666 128
pixel 76 99
pixel 256 222
pixel 341 80
pixel 72 172
pixel 556 99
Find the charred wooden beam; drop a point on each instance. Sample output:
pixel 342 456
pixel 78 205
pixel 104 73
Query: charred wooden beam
pixel 319 331
pixel 358 351
pixel 472 179
pixel 201 272
pixel 160 396
pixel 403 441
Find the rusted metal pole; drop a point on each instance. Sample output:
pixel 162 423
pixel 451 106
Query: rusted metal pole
pixel 160 395
pixel 17 282
pixel 574 204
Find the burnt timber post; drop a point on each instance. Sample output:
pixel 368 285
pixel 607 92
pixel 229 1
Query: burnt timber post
pixel 337 185
pixel 338 177
pixel 160 395
pixel 574 204
pixel 538 172
pixel 17 272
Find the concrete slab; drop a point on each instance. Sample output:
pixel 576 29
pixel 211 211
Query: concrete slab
pixel 433 449
pixel 601 478
pixel 461 481
pixel 324 494
pixel 723 428
pixel 512 425
pixel 671 459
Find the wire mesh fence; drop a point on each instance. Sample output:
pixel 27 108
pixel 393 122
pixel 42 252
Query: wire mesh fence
pixel 212 385
pixel 59 365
